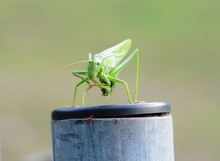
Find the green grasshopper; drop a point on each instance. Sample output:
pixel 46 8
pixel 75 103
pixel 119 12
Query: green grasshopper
pixel 103 69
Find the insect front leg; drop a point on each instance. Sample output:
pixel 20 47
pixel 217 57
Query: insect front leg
pixel 83 96
pixel 75 92
pixel 105 88
pixel 82 74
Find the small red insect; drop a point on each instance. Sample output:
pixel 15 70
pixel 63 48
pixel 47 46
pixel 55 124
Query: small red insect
pixel 90 118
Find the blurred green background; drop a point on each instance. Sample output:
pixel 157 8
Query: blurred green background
pixel 179 44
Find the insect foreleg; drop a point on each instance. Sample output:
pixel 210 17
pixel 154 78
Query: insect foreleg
pixel 75 92
pixel 82 74
pixel 83 96
pixel 124 83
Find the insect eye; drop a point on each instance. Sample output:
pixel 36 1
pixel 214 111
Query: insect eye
pixel 98 63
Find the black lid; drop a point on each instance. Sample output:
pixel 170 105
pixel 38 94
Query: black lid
pixel 113 111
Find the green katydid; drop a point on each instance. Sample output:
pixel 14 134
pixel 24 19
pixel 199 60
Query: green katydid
pixel 103 69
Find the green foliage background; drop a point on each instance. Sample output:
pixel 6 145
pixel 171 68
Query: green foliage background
pixel 180 62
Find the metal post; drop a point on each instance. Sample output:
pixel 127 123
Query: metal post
pixel 142 138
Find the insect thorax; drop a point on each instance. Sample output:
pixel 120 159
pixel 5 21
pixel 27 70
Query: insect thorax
pixel 93 69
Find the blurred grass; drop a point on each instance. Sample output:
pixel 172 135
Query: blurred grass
pixel 179 44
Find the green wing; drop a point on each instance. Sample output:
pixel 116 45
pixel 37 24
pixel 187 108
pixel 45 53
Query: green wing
pixel 110 57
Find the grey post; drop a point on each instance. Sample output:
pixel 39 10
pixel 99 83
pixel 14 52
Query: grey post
pixel 144 138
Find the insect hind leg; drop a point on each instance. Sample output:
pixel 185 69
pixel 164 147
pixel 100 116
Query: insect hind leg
pixel 114 72
pixel 124 83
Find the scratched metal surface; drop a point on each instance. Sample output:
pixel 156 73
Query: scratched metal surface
pixel 113 139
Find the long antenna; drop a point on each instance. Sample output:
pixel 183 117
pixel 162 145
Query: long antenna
pixel 78 62
pixel 68 65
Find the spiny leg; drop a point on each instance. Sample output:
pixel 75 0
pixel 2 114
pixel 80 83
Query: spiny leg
pixel 119 67
pixel 124 83
pixel 83 97
pixel 75 92
pixel 105 88
pixel 82 74
pixel 136 75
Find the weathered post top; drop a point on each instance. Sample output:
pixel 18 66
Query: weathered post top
pixel 113 111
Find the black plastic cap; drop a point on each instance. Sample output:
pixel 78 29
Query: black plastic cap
pixel 113 111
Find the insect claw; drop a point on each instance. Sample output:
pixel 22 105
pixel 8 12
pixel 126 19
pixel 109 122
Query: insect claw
pixel 131 102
